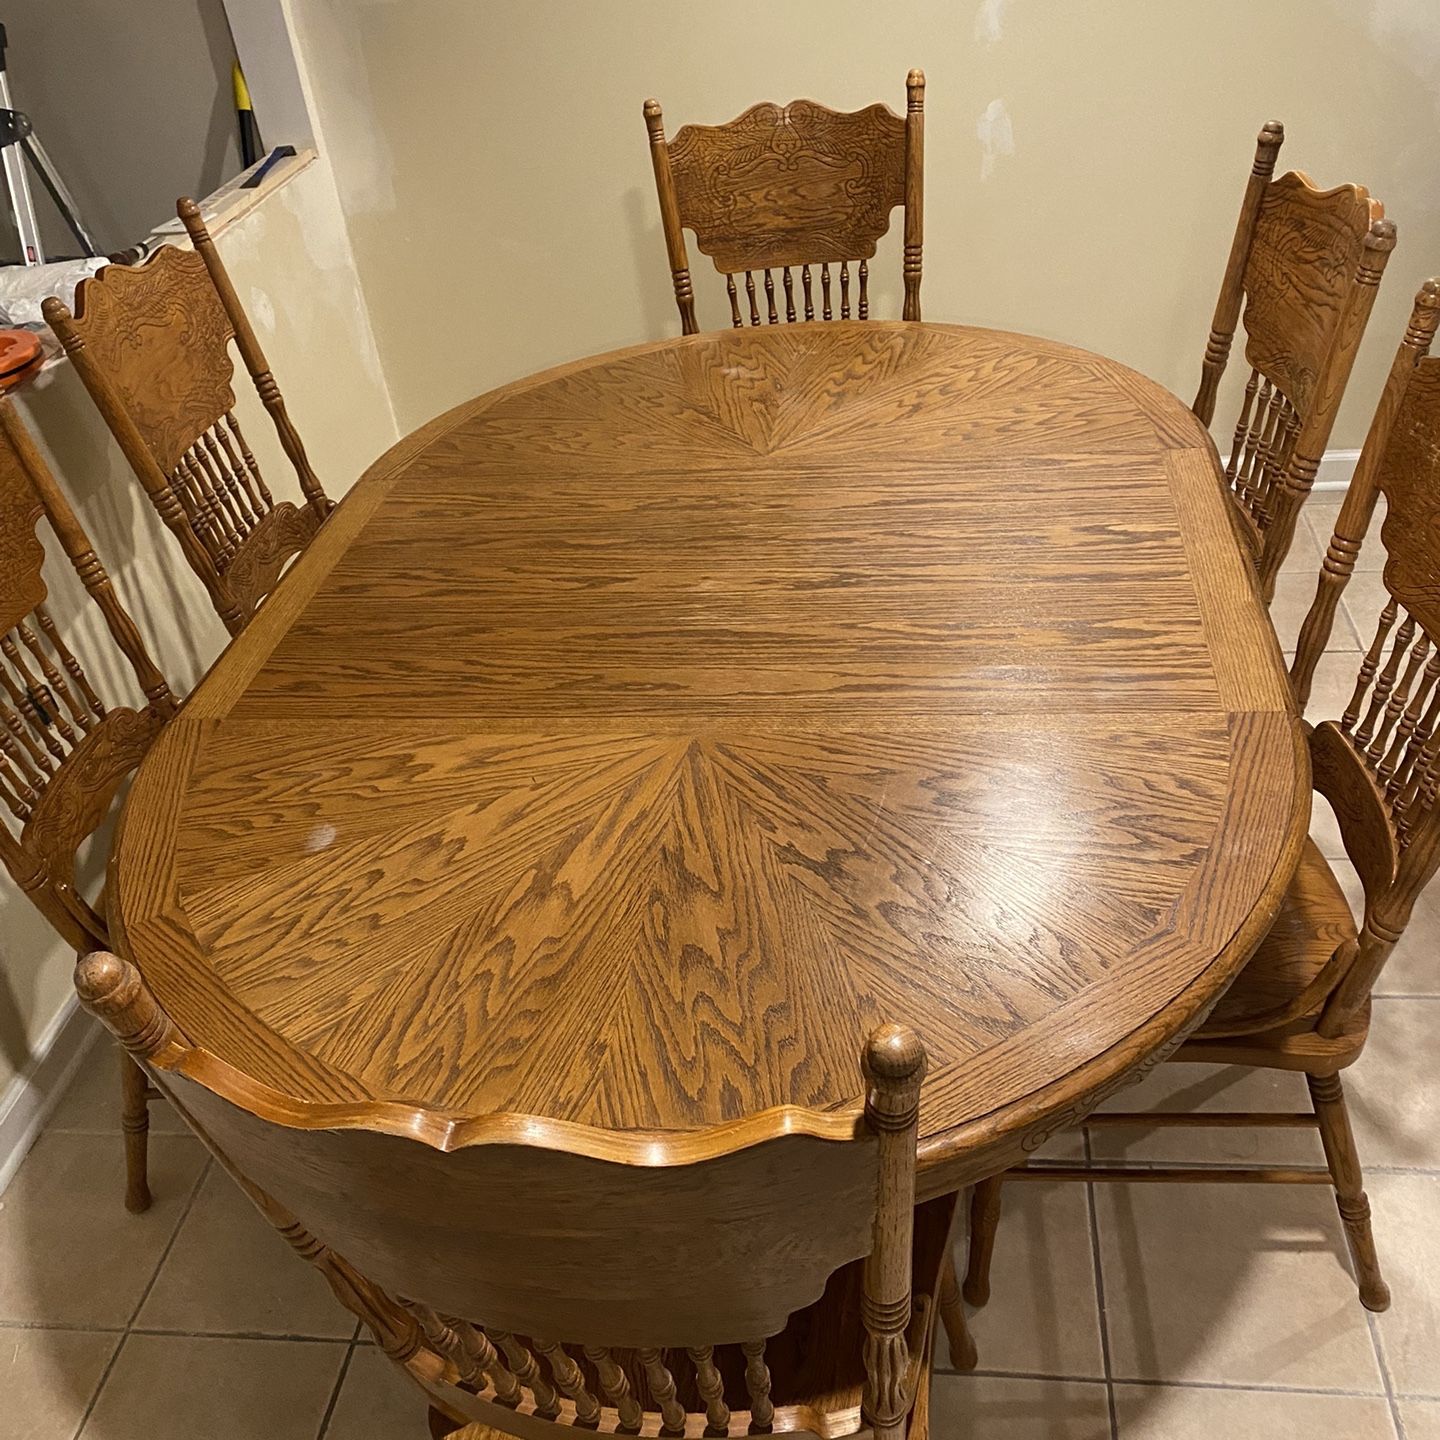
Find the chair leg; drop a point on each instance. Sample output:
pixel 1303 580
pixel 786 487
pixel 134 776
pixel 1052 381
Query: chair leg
pixel 1327 1094
pixel 135 1121
pixel 963 1355
pixel 984 1222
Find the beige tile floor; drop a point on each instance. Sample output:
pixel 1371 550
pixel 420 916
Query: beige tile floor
pixel 1142 1312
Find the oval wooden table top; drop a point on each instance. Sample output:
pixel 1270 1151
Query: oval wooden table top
pixel 635 738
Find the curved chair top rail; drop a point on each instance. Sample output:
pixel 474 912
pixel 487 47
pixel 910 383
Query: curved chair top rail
pixel 151 344
pixel 787 187
pixel 160 336
pixel 1309 247
pixel 1304 265
pixel 790 184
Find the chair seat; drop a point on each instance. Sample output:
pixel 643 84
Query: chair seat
pixel 1290 974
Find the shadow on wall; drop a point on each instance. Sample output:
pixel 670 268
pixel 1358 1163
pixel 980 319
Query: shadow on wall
pixel 652 272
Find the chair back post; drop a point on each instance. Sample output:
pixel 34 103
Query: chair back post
pixel 1353 521
pixel 254 358
pixel 93 575
pixel 1299 475
pixel 914 190
pixel 670 217
pixel 1232 288
pixel 142 460
pixel 113 991
pixel 894 1065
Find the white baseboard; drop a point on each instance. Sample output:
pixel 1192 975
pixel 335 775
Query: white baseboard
pixel 1336 468
pixel 29 1098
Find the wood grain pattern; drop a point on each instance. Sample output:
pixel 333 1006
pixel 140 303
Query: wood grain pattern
pixel 831 675
pixel 684 1292
pixel 787 188
pixel 65 749
pixel 1304 267
pixel 152 345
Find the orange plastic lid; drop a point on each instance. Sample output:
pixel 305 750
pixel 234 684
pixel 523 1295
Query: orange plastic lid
pixel 18 348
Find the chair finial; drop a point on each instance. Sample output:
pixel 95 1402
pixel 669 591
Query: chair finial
pixel 894 1053
pixel 114 990
pixel 1381 235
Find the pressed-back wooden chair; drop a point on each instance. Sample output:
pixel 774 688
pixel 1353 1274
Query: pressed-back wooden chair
pixel 787 188
pixel 152 345
pixel 1303 1000
pixel 64 751
pixel 772 1274
pixel 1304 267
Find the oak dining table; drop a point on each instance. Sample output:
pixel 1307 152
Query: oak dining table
pixel 633 739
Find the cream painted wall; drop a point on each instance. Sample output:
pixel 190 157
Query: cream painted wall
pixel 493 168
pixel 291 263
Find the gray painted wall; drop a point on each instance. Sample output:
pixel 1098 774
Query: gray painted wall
pixel 134 103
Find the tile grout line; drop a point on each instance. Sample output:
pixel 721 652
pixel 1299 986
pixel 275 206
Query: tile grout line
pixel 1258 1387
pixel 170 1244
pixel 1255 1387
pixel 1101 1316
pixel 1428 1172
pixel 99 1385
pixel 1395 1418
pixel 145 1295
pixel 174 1332
pixel 336 1389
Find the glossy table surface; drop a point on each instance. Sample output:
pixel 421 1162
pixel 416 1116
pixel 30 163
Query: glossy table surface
pixel 635 738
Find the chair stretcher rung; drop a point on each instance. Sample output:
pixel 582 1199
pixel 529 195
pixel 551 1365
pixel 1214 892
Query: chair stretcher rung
pixel 1224 1119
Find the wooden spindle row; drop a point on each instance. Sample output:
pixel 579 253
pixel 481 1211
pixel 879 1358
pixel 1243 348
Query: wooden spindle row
pixel 771 311
pixel 47 706
pixel 1393 718
pixel 1262 447
pixel 220 489
pixel 509 1366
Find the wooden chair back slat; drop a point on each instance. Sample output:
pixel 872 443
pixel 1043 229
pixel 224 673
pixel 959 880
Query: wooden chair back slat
pixel 1379 763
pixel 64 750
pixel 553 1278
pixel 152 345
pixel 1302 275
pixel 781 187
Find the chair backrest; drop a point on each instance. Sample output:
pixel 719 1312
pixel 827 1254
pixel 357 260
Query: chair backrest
pixel 1304 264
pixel 63 750
pixel 1379 763
pixel 152 345
pixel 650 1272
pixel 790 187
